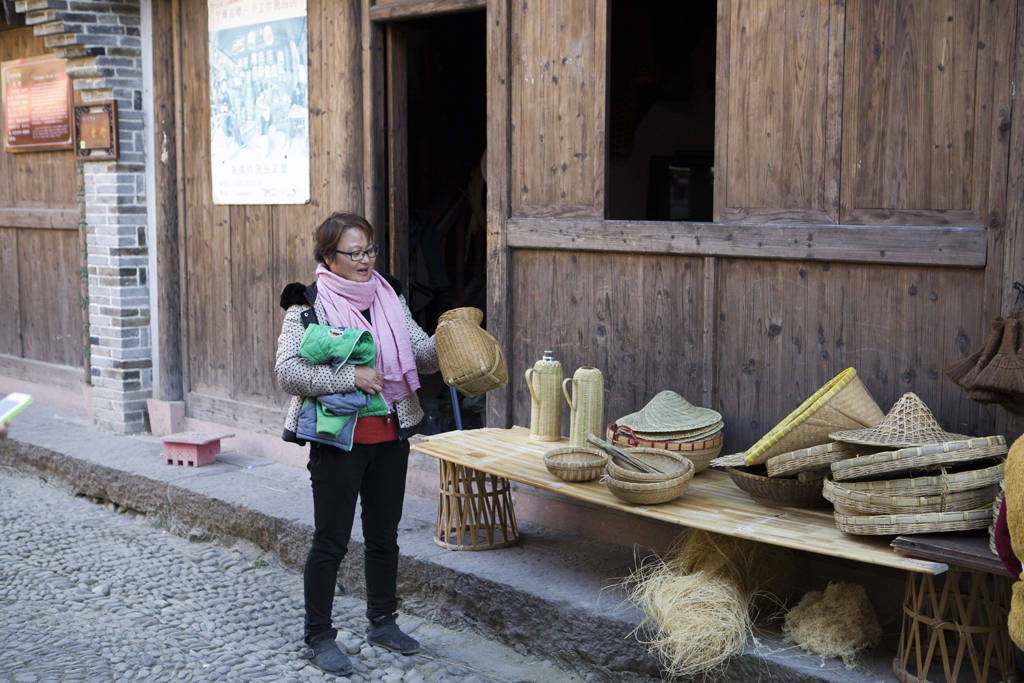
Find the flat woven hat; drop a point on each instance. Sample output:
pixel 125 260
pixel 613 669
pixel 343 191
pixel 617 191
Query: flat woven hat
pixel 669 412
pixel 908 423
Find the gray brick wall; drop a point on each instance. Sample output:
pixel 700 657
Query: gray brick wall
pixel 101 41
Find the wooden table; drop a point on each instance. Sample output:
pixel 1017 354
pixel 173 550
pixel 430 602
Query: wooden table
pixel 955 624
pixel 712 502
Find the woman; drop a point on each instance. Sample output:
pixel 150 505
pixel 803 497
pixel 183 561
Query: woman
pixel 349 293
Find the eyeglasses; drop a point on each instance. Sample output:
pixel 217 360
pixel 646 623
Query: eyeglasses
pixel 370 253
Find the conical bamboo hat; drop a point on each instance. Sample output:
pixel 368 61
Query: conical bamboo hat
pixel 669 412
pixel 908 423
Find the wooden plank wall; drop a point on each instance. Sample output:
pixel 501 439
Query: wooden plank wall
pixel 872 113
pixel 237 258
pixel 40 254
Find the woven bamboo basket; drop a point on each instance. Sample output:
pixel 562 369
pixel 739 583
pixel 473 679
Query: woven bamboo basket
pixel 843 400
pixel 470 313
pixel 670 465
pixel 471 360
pixel 787 492
pixel 933 455
pixel 576 463
pixel 924 523
pixel 700 452
pixel 860 503
pixel 1001 489
pixel 813 458
pixel 649 493
pixel 933 484
pixel 616 432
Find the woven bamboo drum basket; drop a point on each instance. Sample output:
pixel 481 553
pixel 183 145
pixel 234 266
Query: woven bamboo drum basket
pixel 474 510
pixel 576 463
pixel 843 400
pixel 809 459
pixel 933 484
pixel 649 493
pixel 858 503
pixel 471 360
pixel 700 452
pixel 923 523
pixel 586 404
pixel 921 457
pixel 954 628
pixel 670 464
pixel 774 491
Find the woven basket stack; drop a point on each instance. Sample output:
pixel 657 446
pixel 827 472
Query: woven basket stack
pixel 671 478
pixel 788 464
pixel 670 423
pixel 910 476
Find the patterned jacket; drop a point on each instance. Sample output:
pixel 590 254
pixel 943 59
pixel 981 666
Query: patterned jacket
pixel 300 378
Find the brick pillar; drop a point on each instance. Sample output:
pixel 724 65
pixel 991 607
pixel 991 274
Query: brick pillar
pixel 102 43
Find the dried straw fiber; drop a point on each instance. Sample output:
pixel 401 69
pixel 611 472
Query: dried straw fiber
pixel 838 622
pixel 702 597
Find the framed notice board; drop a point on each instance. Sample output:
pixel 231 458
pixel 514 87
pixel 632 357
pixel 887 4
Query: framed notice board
pixel 96 131
pixel 35 96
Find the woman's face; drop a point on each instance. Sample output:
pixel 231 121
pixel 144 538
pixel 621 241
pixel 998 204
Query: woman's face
pixel 352 240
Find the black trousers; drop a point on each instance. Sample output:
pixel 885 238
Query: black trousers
pixel 376 474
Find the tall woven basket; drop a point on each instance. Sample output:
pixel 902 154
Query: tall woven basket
pixel 471 360
pixel 842 400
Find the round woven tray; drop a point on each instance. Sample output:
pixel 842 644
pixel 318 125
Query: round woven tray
pixel 860 503
pixel 920 457
pixel 622 433
pixel 788 492
pixel 882 525
pixel 575 463
pixel 670 464
pixel 649 493
pixel 700 452
pixel 811 458
pixel 932 484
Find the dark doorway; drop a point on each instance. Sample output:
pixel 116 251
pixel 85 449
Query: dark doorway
pixel 661 110
pixel 445 61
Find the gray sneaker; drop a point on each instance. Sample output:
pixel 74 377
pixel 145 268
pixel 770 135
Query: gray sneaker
pixel 385 633
pixel 327 656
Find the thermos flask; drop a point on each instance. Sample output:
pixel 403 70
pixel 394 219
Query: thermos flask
pixel 586 405
pixel 544 380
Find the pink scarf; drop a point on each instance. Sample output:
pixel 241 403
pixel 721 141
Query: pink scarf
pixel 343 301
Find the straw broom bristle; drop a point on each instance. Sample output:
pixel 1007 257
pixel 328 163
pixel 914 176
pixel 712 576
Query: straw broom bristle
pixel 700 600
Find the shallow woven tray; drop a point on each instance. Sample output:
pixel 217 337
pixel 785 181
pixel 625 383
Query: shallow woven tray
pixel 920 457
pixel 650 493
pixel 622 432
pixel 928 522
pixel 812 458
pixel 575 463
pixel 670 464
pixel 788 492
pixel 860 503
pixel 700 452
pixel 932 484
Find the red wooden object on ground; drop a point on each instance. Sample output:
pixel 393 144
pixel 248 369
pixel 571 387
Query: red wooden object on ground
pixel 192 448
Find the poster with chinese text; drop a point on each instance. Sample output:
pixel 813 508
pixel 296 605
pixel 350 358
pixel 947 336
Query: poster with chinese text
pixel 259 101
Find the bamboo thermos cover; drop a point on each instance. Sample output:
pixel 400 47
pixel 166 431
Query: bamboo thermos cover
pixel 544 380
pixel 586 405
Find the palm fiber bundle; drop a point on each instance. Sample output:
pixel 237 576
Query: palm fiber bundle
pixel 702 597
pixel 838 622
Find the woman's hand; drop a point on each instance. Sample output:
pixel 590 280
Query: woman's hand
pixel 368 379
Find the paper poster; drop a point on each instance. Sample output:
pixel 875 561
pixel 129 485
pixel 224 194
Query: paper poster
pixel 259 101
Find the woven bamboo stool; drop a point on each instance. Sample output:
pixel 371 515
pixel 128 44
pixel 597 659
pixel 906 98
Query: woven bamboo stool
pixel 961 622
pixel 474 510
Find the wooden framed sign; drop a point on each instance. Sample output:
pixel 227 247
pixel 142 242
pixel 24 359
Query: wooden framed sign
pixel 96 131
pixel 36 101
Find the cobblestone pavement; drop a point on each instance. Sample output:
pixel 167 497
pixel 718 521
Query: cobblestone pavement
pixel 92 592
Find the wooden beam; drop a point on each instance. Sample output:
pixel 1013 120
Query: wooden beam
pixel 417 9
pixel 932 245
pixel 52 219
pixel 38 372
pixel 498 411
pixel 398 156
pixel 256 417
pixel 375 196
pixel 12 16
pixel 168 267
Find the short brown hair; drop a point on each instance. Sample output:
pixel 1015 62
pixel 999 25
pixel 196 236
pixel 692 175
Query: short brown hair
pixel 327 235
